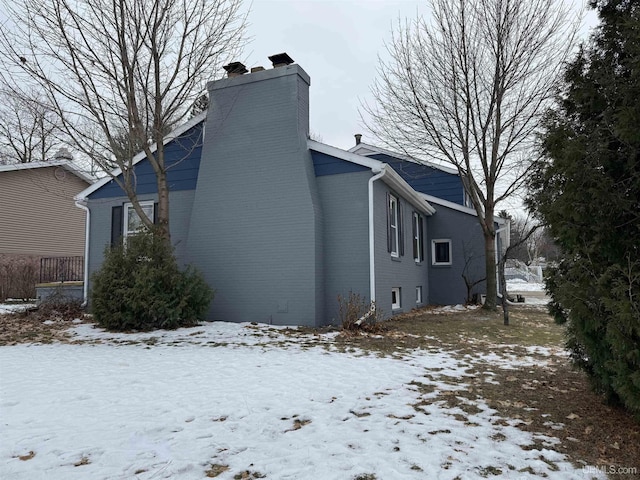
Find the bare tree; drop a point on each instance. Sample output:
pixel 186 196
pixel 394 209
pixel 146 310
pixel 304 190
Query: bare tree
pixel 470 257
pixel 469 88
pixel 120 73
pixel 27 129
pixel 523 231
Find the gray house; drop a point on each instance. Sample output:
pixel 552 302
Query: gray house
pixel 280 225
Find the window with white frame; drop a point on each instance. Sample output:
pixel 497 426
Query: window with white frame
pixel 395 298
pixel 418 294
pixel 132 222
pixel 393 215
pixel 441 252
pixel 418 237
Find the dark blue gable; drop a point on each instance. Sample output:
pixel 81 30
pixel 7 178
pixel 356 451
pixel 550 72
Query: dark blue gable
pixel 182 156
pixel 426 179
pixel 324 164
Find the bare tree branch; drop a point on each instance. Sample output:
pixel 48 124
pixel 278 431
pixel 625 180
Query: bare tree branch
pixel 120 74
pixel 27 129
pixel 468 87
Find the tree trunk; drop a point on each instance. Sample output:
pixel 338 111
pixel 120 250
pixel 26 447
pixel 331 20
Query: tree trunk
pixel 503 282
pixel 490 263
pixel 163 206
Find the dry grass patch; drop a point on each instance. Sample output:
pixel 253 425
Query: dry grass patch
pixel 548 397
pixel 215 470
pixel 248 475
pixel 46 324
pixel 27 456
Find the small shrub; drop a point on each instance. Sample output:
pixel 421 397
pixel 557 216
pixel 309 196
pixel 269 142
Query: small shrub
pixel 356 314
pixel 61 309
pixel 18 277
pixel 140 287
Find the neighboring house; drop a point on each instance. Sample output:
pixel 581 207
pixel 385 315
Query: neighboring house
pixel 38 217
pixel 280 225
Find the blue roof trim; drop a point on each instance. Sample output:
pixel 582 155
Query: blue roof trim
pixel 426 179
pixel 182 156
pixel 324 164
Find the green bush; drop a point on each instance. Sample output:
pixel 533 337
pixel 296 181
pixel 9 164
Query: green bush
pixel 140 287
pixel 585 187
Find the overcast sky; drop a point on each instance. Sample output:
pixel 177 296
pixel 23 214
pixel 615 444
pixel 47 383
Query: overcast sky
pixel 337 42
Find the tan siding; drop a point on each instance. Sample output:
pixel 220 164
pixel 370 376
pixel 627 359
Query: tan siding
pixel 37 212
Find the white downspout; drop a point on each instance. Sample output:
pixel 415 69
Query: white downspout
pixel 85 286
pixel 372 266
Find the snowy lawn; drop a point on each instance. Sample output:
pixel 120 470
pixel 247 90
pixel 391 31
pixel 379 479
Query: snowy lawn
pixel 534 293
pixel 253 401
pixel 14 307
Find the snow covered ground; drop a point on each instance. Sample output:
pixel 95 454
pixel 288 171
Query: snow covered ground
pixel 14 307
pixel 533 293
pixel 254 399
pixel 522 286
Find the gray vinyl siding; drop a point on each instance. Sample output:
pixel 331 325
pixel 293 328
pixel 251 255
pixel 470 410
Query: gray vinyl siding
pixel 467 244
pixel 38 215
pixel 180 204
pixel 346 238
pixel 402 272
pixel 256 228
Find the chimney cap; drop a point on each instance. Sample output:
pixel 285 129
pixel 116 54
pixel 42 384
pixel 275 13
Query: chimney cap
pixel 235 68
pixel 280 60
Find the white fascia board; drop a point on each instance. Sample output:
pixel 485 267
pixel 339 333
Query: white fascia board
pixel 30 165
pixel 362 149
pixel 390 176
pixel 66 164
pixel 371 163
pixel 456 206
pixel 366 149
pixel 448 204
pixel 393 179
pixel 141 156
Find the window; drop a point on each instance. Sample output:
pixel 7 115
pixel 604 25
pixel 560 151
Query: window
pixel 418 294
pixel 393 224
pixel 441 252
pixel 395 238
pixel 418 237
pixel 395 298
pixel 132 222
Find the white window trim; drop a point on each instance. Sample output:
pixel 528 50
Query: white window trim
pixel 418 294
pixel 433 251
pixel 394 208
pixel 398 304
pixel 417 237
pixel 127 206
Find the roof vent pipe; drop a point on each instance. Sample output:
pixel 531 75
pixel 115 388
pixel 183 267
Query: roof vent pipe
pixel 358 138
pixel 280 60
pixel 235 69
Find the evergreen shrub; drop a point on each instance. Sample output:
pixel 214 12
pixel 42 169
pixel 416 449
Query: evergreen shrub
pixel 140 287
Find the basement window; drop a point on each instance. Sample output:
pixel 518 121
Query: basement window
pixel 395 298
